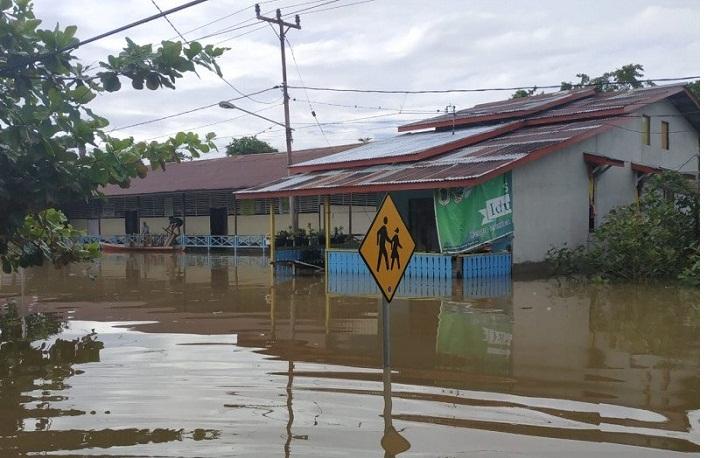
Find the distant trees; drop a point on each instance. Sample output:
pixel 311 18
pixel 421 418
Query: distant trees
pixel 695 88
pixel 626 77
pixel 248 145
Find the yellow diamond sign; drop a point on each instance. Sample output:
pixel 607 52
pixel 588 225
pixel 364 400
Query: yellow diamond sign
pixel 387 248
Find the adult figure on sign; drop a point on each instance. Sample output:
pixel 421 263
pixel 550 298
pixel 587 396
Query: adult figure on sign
pixel 382 240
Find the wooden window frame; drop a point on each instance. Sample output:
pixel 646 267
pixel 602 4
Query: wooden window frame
pixel 665 135
pixel 646 130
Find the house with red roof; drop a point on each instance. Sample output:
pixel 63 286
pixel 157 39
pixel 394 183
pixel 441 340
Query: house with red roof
pixel 514 177
pixel 200 192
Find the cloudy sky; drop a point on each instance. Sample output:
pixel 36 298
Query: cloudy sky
pixel 376 44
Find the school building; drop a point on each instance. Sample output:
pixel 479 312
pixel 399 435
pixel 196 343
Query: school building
pixel 515 177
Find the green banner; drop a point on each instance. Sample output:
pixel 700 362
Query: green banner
pixel 473 339
pixel 469 217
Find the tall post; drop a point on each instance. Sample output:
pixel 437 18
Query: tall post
pixel 272 234
pixel 287 129
pixel 327 222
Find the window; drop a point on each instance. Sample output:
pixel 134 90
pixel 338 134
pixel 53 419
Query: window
pixel 646 130
pixel 665 135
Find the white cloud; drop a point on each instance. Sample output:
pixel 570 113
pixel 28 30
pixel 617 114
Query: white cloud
pixel 391 44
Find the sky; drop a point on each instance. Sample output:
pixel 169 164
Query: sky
pixel 373 44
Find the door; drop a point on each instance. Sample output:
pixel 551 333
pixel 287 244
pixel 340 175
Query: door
pixel 132 222
pixel 219 221
pixel 422 224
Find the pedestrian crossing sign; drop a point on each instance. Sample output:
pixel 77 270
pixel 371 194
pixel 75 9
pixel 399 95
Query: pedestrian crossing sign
pixel 387 248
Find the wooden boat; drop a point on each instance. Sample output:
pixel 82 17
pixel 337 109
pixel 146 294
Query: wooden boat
pixel 117 248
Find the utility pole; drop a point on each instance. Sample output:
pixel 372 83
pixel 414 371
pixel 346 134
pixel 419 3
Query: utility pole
pixel 287 129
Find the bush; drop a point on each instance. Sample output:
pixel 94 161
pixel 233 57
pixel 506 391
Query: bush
pixel 657 237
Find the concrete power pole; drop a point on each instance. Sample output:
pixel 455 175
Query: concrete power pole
pixel 288 129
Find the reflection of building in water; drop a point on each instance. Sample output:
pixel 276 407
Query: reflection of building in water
pixel 616 344
pixel 474 339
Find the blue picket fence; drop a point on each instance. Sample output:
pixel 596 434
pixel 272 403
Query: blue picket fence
pixel 487 265
pixel 362 284
pixel 288 254
pixel 484 287
pixel 428 265
pixel 422 265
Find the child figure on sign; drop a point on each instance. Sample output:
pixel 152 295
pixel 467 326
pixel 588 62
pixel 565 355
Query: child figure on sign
pixel 395 255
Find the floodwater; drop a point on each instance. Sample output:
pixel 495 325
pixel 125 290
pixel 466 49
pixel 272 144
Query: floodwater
pixel 196 355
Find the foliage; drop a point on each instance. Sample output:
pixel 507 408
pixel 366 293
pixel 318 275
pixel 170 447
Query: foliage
pixel 520 93
pixel 626 77
pixel 657 237
pixel 248 145
pixel 621 79
pixel 695 88
pixel 53 148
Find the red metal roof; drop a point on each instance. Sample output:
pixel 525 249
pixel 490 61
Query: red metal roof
pixel 465 167
pixel 504 109
pixel 605 104
pixel 554 107
pixel 541 124
pixel 408 147
pixel 235 172
pixel 642 168
pixel 597 159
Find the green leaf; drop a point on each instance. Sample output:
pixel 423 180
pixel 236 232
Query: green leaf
pixel 194 48
pixel 82 94
pixel 70 31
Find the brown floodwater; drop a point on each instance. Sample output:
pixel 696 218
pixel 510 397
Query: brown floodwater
pixel 205 355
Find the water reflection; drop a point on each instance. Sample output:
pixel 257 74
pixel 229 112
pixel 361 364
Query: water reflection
pixel 502 366
pixel 26 369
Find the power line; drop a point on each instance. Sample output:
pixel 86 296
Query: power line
pixel 251 22
pixel 485 89
pixel 77 44
pixel 370 107
pixel 340 6
pixel 296 65
pixel 192 110
pixel 265 26
pixel 220 76
pixel 213 123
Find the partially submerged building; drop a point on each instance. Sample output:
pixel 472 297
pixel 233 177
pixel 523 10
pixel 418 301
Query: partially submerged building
pixel 544 171
pixel 201 193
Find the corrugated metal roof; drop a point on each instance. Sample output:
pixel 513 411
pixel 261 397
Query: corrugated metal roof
pixel 554 107
pixel 406 147
pixel 234 172
pixel 465 166
pixel 555 120
pixel 614 102
pixel 503 109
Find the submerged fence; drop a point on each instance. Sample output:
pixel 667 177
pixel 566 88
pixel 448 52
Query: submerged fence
pixel 190 241
pixel 428 265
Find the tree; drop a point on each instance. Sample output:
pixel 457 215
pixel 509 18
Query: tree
pixel 520 93
pixel 53 147
pixel 621 79
pixel 626 77
pixel 248 145
pixel 695 88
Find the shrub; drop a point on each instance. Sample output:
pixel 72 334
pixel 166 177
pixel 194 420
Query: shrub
pixel 656 237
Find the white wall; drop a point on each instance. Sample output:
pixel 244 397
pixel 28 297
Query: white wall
pixel 247 225
pixel 112 226
pixel 550 204
pixel 550 195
